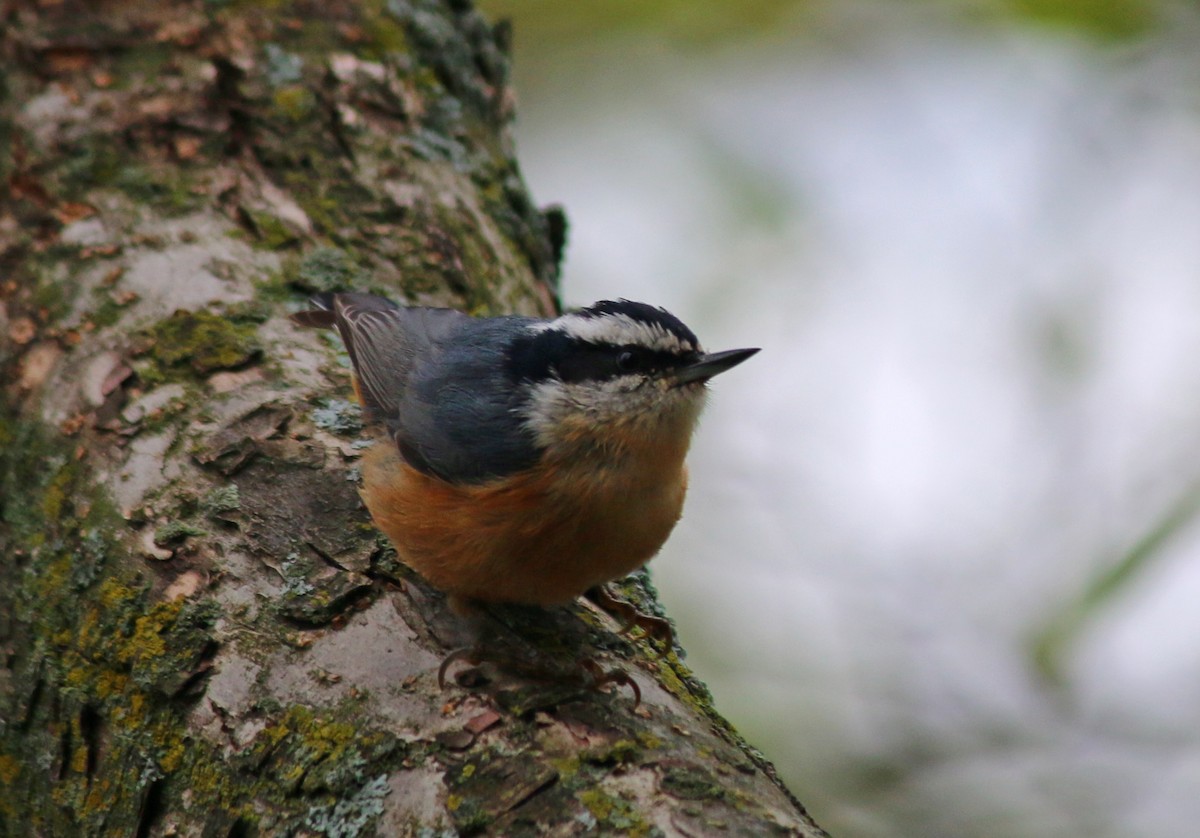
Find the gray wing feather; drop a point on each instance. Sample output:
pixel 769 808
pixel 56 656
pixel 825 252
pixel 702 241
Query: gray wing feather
pixel 460 414
pixel 437 379
pixel 386 342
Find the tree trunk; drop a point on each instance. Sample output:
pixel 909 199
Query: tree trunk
pixel 200 631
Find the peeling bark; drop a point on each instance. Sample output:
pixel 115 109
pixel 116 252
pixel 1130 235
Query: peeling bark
pixel 200 631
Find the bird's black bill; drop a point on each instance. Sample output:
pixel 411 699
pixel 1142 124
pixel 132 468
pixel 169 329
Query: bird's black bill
pixel 706 366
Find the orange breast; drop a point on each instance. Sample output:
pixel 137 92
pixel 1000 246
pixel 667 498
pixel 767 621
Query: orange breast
pixel 541 537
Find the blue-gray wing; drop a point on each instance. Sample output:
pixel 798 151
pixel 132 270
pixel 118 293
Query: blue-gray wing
pixel 460 416
pixel 437 379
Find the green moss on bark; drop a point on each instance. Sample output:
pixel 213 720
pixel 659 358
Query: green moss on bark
pixel 197 343
pixel 99 698
pixel 98 709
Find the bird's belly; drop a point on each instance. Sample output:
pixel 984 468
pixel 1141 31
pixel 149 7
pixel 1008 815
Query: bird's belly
pixel 522 539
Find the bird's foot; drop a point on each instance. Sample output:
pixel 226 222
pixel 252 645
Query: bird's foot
pixel 601 676
pixel 471 655
pixel 657 628
pixel 588 673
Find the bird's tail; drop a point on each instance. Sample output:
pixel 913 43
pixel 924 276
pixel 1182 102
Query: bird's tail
pixel 320 316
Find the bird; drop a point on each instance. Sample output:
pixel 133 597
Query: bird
pixel 521 459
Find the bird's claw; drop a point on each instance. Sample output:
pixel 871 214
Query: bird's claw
pixel 657 628
pixel 620 677
pixel 596 675
pixel 469 654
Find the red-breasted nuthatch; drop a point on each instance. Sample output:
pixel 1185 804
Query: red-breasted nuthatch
pixel 526 460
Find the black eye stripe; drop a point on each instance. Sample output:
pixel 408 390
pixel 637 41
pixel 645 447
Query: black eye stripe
pixel 552 353
pixel 590 362
pixel 586 363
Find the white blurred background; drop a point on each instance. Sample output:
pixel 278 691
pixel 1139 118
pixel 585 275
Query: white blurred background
pixel 941 558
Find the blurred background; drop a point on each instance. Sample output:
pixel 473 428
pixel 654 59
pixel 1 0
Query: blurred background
pixel 940 557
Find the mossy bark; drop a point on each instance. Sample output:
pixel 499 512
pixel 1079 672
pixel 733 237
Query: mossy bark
pixel 200 631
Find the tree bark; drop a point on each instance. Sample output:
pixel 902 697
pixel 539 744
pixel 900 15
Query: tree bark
pixel 200 631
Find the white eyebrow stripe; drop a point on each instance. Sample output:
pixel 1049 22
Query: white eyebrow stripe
pixel 618 329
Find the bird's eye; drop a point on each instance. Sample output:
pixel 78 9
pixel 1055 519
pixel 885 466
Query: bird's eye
pixel 627 361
